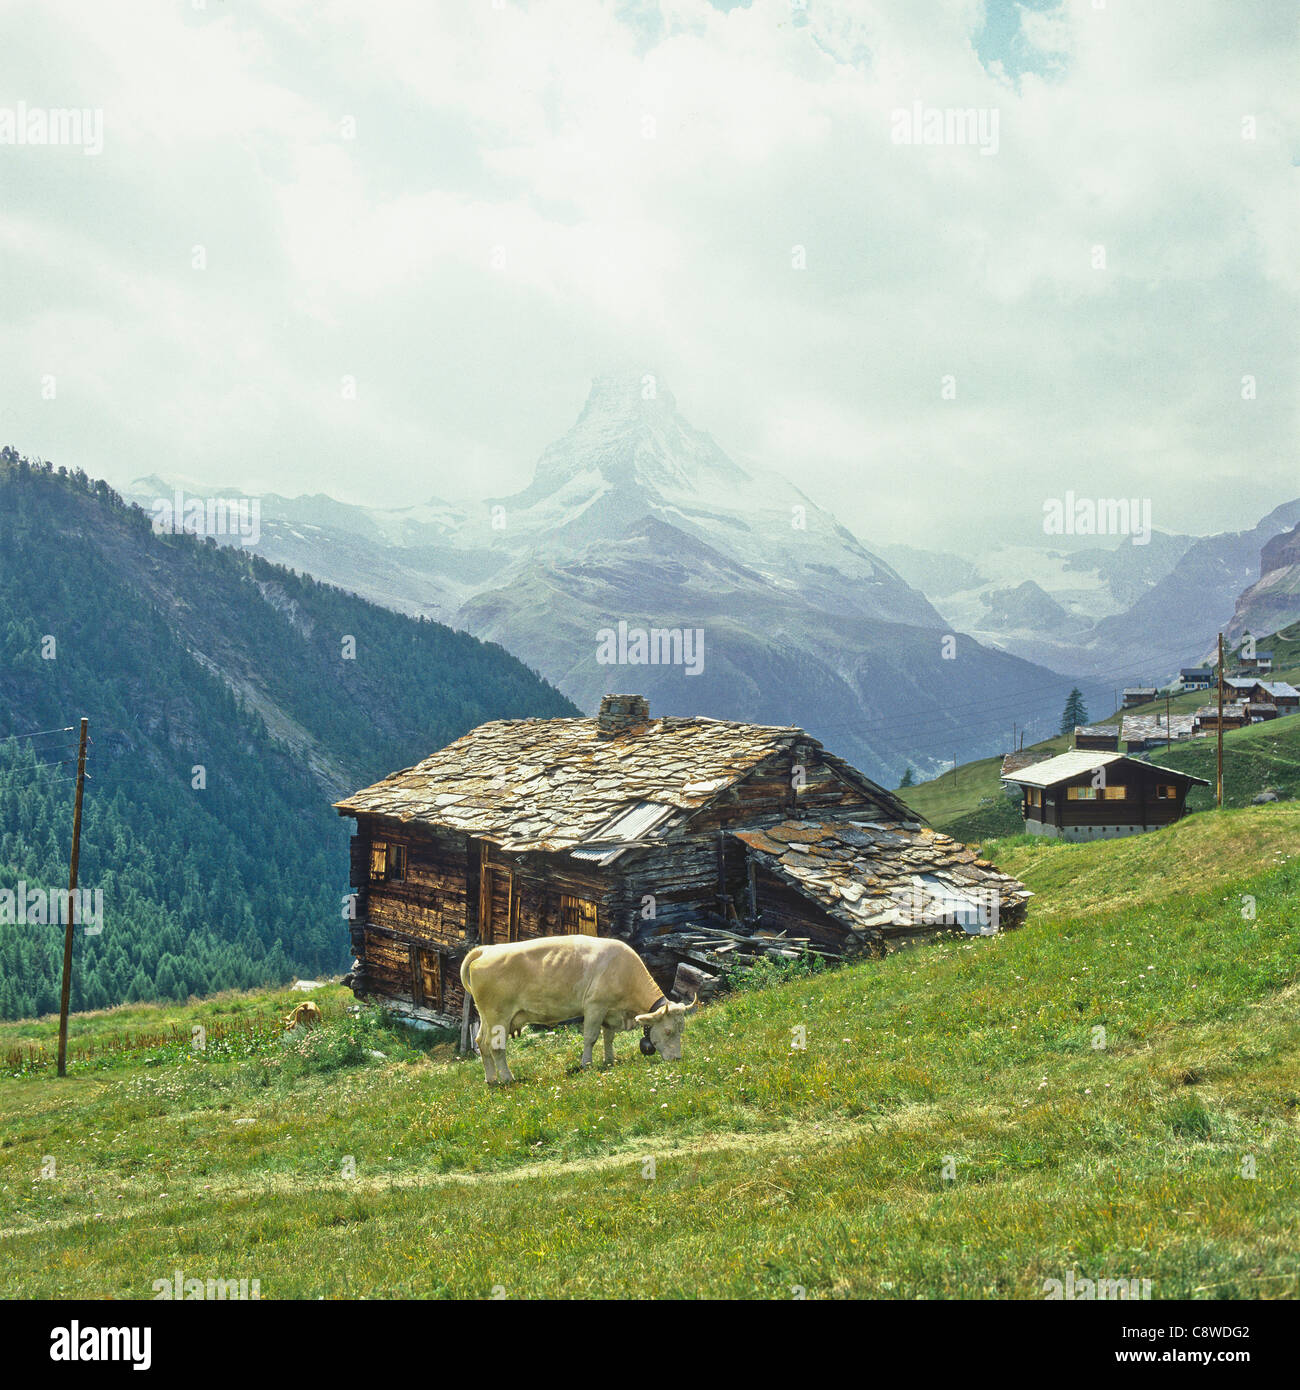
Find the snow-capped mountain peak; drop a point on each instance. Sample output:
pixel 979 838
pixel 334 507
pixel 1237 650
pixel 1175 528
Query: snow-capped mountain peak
pixel 630 434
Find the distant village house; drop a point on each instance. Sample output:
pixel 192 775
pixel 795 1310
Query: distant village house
pixel 1283 697
pixel 1087 795
pixel 1208 718
pixel 1195 678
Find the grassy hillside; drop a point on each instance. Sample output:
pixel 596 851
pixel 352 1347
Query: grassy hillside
pixel 775 1168
pixel 1197 855
pixel 960 793
pixel 1261 757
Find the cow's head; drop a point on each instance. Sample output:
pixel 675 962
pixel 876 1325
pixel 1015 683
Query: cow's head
pixel 663 1029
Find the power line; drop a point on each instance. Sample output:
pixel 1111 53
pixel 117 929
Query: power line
pixel 31 767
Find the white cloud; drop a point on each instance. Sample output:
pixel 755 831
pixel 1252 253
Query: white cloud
pixel 534 190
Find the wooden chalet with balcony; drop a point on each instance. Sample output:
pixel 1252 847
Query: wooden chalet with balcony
pixel 627 826
pixel 1090 795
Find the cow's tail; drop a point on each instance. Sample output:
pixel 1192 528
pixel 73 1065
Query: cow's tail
pixel 470 958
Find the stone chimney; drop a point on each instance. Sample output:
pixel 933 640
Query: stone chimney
pixel 620 714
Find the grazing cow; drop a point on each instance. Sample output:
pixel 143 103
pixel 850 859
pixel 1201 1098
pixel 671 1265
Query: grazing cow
pixel 559 977
pixel 308 1015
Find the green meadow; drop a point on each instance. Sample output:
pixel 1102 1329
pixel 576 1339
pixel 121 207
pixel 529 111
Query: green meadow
pixel 1113 1088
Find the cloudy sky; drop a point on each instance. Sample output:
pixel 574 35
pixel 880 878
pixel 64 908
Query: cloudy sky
pixel 469 207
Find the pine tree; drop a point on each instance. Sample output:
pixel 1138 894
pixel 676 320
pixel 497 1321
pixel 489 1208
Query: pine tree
pixel 909 779
pixel 1076 712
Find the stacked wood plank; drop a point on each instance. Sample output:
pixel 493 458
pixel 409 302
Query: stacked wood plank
pixel 713 950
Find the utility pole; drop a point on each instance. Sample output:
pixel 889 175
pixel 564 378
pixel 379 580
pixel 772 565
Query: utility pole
pixel 1169 728
pixel 1219 793
pixel 72 903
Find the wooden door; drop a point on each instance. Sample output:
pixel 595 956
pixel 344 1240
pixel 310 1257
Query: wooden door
pixel 484 895
pixel 497 911
pixel 429 982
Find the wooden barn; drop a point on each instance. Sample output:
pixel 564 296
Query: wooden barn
pixel 1088 795
pixel 1103 738
pixel 627 826
pixel 1208 718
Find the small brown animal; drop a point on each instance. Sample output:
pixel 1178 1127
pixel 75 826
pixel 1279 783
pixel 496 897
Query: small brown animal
pixel 308 1015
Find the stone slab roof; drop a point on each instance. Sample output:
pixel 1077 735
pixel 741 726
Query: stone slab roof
pixel 874 876
pixel 1139 728
pixel 552 784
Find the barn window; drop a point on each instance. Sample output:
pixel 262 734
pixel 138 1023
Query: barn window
pixel 1033 796
pixel 577 916
pixel 1164 792
pixel 1081 793
pixel 1114 793
pixel 387 861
